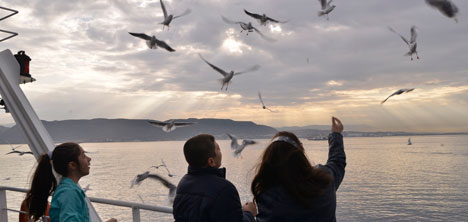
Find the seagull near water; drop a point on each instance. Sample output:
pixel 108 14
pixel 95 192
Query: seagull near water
pixel 168 18
pixel 263 104
pixel 398 92
pixel 152 42
pixel 170 125
pixel 411 44
pixel 248 27
pixel 169 174
pixel 446 7
pixel 228 75
pixel 263 19
pixel 326 8
pixel 21 153
pixel 238 148
pixel 140 177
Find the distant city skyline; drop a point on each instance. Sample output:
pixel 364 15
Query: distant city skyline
pixel 88 66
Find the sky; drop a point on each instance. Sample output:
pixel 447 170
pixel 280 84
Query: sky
pixel 88 66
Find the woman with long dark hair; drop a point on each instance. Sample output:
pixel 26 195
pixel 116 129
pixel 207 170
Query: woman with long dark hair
pixel 68 200
pixel 287 187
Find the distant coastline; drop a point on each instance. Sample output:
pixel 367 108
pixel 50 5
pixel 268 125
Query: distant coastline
pixel 132 130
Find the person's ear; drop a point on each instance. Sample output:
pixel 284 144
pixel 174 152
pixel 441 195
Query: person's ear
pixel 72 165
pixel 211 162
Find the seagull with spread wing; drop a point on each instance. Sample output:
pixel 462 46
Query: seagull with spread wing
pixel 398 92
pixel 446 7
pixel 326 8
pixel 152 42
pixel 168 18
pixel 248 27
pixel 228 75
pixel 21 153
pixel 238 148
pixel 412 45
pixel 140 177
pixel 263 104
pixel 170 125
pixel 263 19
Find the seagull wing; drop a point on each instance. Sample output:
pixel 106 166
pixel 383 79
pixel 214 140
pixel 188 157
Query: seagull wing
pixel 402 37
pixel 141 35
pixel 253 15
pixel 165 182
pixel 157 123
pixel 323 3
pixel 263 36
pixel 446 7
pixel 229 21
pixel 185 13
pixel 163 44
pixel 249 142
pixel 180 124
pixel 386 99
pixel 414 34
pixel 164 9
pixel 14 151
pixel 251 69
pixel 140 177
pixel 234 143
pixel 260 97
pixel 222 72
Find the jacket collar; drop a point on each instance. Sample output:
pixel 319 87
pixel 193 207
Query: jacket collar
pixel 220 172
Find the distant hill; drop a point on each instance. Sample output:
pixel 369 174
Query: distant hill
pixel 120 130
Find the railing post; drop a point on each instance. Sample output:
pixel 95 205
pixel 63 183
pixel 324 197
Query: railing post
pixel 136 214
pixel 3 206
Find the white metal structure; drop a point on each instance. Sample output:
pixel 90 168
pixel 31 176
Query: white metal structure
pixel 136 207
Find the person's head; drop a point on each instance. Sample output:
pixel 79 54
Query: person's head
pixel 202 151
pixel 68 160
pixel 284 164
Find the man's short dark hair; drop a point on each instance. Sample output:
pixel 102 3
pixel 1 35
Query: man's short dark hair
pixel 198 149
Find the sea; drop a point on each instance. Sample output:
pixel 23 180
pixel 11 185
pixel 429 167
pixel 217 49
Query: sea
pixel 385 180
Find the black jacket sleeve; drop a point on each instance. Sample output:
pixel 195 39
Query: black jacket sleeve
pixel 336 158
pixel 228 207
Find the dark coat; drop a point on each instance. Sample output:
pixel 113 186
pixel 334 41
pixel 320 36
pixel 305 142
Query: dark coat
pixel 275 204
pixel 204 194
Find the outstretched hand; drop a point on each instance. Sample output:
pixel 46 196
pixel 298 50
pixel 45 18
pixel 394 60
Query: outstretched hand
pixel 337 126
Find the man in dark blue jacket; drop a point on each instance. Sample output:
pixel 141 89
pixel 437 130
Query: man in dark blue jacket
pixel 203 194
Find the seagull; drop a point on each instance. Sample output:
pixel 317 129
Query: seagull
pixel 237 149
pixel 228 75
pixel 263 104
pixel 168 18
pixel 411 44
pixel 170 125
pixel 400 91
pixel 87 188
pixel 247 27
pixel 140 177
pixel 152 42
pixel 263 19
pixel 21 153
pixel 326 8
pixel 169 174
pixel 446 7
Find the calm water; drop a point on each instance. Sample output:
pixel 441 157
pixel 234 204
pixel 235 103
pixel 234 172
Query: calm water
pixel 386 180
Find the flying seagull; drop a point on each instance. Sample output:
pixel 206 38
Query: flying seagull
pixel 446 7
pixel 398 92
pixel 87 188
pixel 263 104
pixel 169 174
pixel 237 149
pixel 152 42
pixel 228 75
pixel 170 125
pixel 248 27
pixel 326 8
pixel 21 153
pixel 411 44
pixel 263 19
pixel 168 18
pixel 140 177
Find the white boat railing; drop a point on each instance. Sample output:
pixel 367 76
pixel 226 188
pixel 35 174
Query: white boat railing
pixel 136 207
